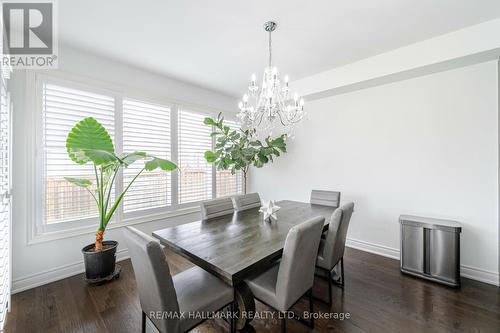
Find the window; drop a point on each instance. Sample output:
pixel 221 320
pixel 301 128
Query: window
pixel 195 182
pixel 62 108
pixel 146 127
pixel 169 131
pixel 227 183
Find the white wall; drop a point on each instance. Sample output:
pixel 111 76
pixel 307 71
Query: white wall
pixel 37 264
pixel 97 68
pixel 426 146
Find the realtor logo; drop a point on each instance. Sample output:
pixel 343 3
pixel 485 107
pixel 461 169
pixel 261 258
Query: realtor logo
pixel 29 34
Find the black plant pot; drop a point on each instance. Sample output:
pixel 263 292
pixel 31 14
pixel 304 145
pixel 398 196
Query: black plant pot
pixel 100 266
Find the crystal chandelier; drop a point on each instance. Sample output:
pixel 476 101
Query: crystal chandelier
pixel 270 110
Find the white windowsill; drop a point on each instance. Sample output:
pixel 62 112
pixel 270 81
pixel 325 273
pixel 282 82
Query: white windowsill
pixel 90 229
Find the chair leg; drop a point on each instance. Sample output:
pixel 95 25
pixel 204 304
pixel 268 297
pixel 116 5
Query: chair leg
pixel 342 271
pixel 311 307
pixel 341 283
pixel 231 318
pixel 283 325
pixel 330 292
pixel 328 277
pixel 143 325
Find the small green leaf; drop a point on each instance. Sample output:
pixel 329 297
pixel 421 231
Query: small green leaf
pixel 263 159
pixel 278 141
pixel 210 156
pixel 209 121
pixel 256 143
pixel 258 164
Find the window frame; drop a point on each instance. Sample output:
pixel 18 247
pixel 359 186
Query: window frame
pixel 40 231
pixel 41 226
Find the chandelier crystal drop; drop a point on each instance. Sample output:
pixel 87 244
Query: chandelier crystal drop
pixel 270 110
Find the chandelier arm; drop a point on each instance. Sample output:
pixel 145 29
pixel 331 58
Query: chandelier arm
pixel 260 119
pixel 281 118
pixel 280 108
pixel 296 118
pixel 259 99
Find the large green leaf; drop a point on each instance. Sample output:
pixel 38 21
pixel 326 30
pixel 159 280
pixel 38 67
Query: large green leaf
pixel 79 181
pixel 88 141
pixel 160 163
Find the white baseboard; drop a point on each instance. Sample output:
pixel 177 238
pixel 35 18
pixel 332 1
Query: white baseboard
pixel 479 274
pixel 384 251
pixel 55 274
pixel 61 272
pixel 469 272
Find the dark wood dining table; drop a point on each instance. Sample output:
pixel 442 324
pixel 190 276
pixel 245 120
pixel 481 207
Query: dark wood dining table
pixel 234 247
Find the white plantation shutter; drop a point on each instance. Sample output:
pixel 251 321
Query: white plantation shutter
pixel 62 108
pixel 5 201
pixel 146 127
pixel 195 177
pixel 227 183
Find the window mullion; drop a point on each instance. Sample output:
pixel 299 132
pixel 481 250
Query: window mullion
pixel 214 170
pixel 174 152
pixel 119 149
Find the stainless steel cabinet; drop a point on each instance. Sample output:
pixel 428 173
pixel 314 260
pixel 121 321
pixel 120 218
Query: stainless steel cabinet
pixel 430 248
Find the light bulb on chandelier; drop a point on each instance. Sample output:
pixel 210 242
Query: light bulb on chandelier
pixel 270 110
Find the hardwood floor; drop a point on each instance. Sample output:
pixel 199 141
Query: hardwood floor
pixel 377 297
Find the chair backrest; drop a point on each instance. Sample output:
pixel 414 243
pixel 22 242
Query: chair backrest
pixel 296 271
pixel 337 234
pixel 325 198
pixel 246 201
pixel 154 282
pixel 216 208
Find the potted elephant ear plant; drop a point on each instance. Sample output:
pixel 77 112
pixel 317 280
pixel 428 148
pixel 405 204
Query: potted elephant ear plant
pixel 89 142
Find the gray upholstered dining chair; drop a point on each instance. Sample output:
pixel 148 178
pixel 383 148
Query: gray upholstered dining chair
pixel 286 282
pixel 246 201
pixel 331 249
pixel 216 208
pixel 162 296
pixel 325 198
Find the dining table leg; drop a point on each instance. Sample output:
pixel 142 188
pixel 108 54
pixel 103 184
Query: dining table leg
pixel 246 305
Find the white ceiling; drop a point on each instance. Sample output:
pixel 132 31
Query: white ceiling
pixel 217 44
